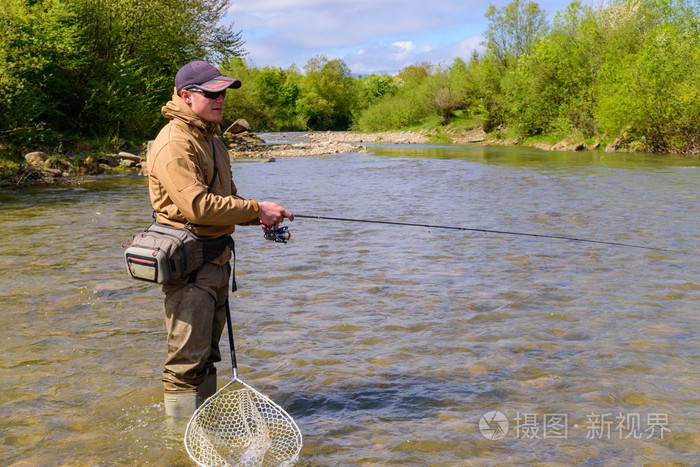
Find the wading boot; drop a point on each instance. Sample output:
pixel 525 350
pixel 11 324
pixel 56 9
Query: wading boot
pixel 180 404
pixel 207 388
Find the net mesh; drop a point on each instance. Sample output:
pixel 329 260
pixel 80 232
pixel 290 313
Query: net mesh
pixel 240 426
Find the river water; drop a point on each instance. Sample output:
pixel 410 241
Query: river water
pixel 388 345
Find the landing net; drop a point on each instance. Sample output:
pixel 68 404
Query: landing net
pixel 240 426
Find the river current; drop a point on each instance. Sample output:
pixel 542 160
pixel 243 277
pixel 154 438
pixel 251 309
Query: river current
pixel 388 345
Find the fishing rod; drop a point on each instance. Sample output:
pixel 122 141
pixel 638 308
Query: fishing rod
pixel 282 234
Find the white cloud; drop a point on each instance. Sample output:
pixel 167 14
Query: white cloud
pixel 405 48
pixel 369 35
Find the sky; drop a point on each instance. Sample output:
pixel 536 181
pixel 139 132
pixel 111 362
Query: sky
pixel 370 36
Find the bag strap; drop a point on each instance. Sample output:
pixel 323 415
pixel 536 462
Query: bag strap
pixel 193 276
pixel 213 178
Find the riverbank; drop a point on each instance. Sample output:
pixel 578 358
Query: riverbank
pixel 39 168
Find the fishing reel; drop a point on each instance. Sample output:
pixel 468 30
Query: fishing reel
pixel 278 235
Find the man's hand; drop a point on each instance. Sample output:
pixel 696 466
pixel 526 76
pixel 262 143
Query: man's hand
pixel 272 214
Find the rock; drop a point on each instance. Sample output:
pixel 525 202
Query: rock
pixel 52 172
pixel 129 157
pixel 619 141
pixel 59 164
pixel 89 166
pixel 542 146
pixel 36 157
pixel 239 126
pixel 244 140
pixel 111 161
pixel 385 137
pixel 566 146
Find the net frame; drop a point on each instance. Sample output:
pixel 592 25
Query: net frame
pixel 239 425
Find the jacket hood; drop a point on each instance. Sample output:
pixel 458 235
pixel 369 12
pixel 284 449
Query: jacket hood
pixel 177 108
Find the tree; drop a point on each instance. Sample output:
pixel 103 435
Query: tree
pixel 377 86
pixel 329 94
pixel 651 89
pixel 103 68
pixel 552 87
pixel 513 30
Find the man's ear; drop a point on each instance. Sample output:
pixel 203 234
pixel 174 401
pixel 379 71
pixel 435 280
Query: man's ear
pixel 186 97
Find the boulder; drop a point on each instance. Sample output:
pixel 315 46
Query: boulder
pixel 89 166
pixel 560 146
pixel 618 143
pixel 239 126
pixel 542 146
pixel 129 157
pixel 566 146
pixel 36 157
pixel 58 164
pixel 111 161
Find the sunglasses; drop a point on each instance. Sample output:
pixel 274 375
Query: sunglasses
pixel 209 95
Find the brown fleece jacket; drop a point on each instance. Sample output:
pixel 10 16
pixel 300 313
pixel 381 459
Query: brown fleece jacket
pixel 181 166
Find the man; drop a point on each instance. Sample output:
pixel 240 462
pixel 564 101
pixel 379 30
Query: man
pixel 190 183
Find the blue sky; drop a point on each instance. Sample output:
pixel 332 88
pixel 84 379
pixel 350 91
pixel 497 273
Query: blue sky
pixel 370 36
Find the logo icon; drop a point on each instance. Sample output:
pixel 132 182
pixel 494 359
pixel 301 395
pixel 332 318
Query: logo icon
pixel 493 425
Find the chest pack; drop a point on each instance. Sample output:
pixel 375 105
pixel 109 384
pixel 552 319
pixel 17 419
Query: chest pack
pixel 163 253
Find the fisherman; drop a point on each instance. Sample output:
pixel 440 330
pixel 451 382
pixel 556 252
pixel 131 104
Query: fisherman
pixel 190 184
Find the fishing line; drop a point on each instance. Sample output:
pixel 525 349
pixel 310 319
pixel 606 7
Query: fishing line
pixel 284 235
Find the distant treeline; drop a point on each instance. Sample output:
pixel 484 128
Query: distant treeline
pixel 103 69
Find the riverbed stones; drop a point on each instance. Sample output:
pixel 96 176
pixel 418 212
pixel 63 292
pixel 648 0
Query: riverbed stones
pixel 404 137
pixel 293 150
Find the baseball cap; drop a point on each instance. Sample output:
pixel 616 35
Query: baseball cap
pixel 203 76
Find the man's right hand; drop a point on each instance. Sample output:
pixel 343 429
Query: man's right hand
pixel 272 214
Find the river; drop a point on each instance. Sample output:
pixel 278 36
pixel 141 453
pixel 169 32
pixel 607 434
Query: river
pixel 388 345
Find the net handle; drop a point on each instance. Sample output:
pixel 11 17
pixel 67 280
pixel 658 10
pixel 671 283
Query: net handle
pixel 230 339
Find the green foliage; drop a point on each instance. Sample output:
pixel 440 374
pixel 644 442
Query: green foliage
pixel 554 82
pixel 267 99
pixel 375 87
pixel 329 94
pixel 411 101
pixel 71 69
pixel 514 29
pixel 628 66
pixel 653 91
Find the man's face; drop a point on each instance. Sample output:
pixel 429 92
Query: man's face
pixel 206 105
